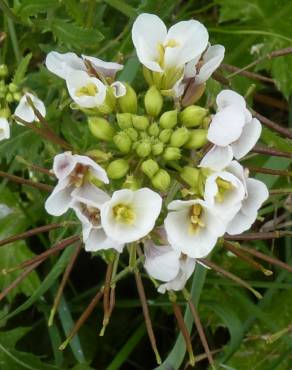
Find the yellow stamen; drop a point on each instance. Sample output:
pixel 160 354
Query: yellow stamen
pixel 223 187
pixel 196 222
pixel 90 90
pixel 124 213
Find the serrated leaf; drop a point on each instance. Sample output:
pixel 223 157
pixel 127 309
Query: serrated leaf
pixel 75 10
pixel 30 8
pixel 273 140
pixel 75 36
pixel 21 69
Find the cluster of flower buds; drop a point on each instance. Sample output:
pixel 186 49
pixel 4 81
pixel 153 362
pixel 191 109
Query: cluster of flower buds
pixel 147 180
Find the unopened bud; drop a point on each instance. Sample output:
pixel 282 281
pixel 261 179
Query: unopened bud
pixel 99 155
pixel 165 135
pixel 179 137
pixel 9 98
pixel 198 138
pixel 157 148
pixel 5 113
pixel 153 101
pixel 12 87
pixel 16 96
pixel 3 70
pixel 140 122
pixel 190 175
pixel 143 149
pixel 161 180
pixel 150 168
pixel 193 116
pixel 168 119
pixel 132 133
pixel 153 129
pixel 122 142
pixel 132 183
pixel 128 102
pixel 172 154
pixel 124 120
pixel 117 169
pixel 100 128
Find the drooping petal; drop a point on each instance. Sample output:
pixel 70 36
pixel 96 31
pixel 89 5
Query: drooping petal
pixel 98 240
pixel 95 169
pixel 226 125
pixel 119 89
pixel 211 61
pixel 148 33
pixel 63 64
pixel 217 158
pixel 251 132
pixel 4 129
pixel 229 97
pixel 25 111
pixel 161 262
pixel 107 69
pixel 64 164
pixel 60 199
pixel 190 68
pixel 90 195
pixel 190 39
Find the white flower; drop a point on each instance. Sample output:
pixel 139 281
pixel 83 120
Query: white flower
pixel 166 264
pixel 224 193
pixel 107 69
pixel 159 49
pixel 86 91
pixel 63 64
pixel 233 131
pixel 25 111
pixel 71 171
pixel 88 201
pixel 256 193
pixel 119 89
pixel 192 228
pixel 4 129
pixel 130 215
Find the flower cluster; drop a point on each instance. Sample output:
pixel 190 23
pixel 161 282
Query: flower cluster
pixel 164 171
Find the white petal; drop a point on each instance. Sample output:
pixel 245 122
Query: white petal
pixel 63 64
pixel 241 223
pixel 78 79
pixel 190 68
pixel 98 240
pixel 217 158
pixel 60 199
pixel 147 33
pixel 119 89
pixel 25 111
pixel 191 38
pixel 211 61
pixel 96 169
pixel 226 125
pixel 107 69
pixel 90 195
pixel 64 164
pixel 161 262
pixel 250 134
pixel 4 129
pixel 229 97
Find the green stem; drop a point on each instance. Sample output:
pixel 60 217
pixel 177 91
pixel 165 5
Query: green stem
pixel 14 40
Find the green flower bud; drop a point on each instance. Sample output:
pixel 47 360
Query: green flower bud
pixel 179 137
pixel 124 120
pixel 161 180
pixel 165 135
pixel 197 139
pixel 168 119
pixel 122 142
pixel 16 96
pixel 128 102
pixel 12 87
pixel 3 70
pixel 99 155
pixel 171 154
pixel 192 116
pixel 153 101
pixel 140 122
pixel 132 133
pixel 153 129
pixel 150 168
pixel 117 169
pixel 157 148
pixel 132 183
pixel 190 175
pixel 143 149
pixel 5 112
pixel 9 98
pixel 100 128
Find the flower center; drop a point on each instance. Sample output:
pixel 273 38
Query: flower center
pixel 161 50
pixel 92 214
pixel 196 223
pixel 78 174
pixel 124 213
pixel 89 90
pixel 223 187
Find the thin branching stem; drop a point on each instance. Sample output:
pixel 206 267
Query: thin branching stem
pixel 269 151
pixel 286 132
pixel 259 235
pixel 20 180
pixel 270 171
pixel 146 313
pixel 106 297
pixel 250 75
pixel 63 284
pixel 35 167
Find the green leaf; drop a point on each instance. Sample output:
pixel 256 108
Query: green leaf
pixel 122 7
pixel 75 36
pixel 21 69
pixel 272 139
pixel 30 8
